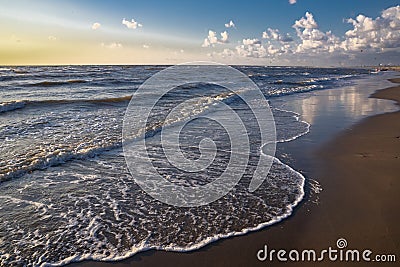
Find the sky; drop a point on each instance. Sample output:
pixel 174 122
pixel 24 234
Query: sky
pixel 275 32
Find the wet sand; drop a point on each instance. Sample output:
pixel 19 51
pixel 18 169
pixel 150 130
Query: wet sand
pixel 359 171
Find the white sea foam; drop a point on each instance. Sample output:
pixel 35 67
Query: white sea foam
pixel 96 223
pixel 96 209
pixel 144 245
pixel 297 117
pixel 17 200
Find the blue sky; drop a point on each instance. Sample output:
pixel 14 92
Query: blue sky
pixel 45 31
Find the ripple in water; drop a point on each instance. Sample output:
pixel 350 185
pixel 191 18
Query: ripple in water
pixel 68 194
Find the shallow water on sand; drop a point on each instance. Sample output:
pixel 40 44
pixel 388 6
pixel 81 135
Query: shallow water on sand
pixel 66 193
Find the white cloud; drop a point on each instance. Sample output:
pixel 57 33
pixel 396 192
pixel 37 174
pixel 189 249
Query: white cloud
pixel 131 24
pixel 272 50
pixel 251 41
pixel 145 46
pixel 206 43
pixel 368 35
pixel 274 34
pixel 224 37
pixel 52 38
pixel 312 39
pixel 375 34
pixel 307 22
pixel 292 2
pixel 212 38
pixel 112 45
pixel 96 26
pixel 251 48
pixel 230 24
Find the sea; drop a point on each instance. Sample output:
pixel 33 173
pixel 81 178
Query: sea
pixel 67 195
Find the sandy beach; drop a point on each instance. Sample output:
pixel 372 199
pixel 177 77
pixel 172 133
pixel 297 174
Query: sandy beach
pixel 359 173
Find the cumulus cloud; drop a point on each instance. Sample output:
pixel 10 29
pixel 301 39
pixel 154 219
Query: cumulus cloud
pixel 145 46
pixel 52 38
pixel 251 48
pixel 292 2
pixel 131 24
pixel 375 34
pixel 212 38
pixel 230 24
pixel 96 26
pixel 274 34
pixel 311 38
pixel 251 41
pixel 367 34
pixel 224 37
pixel 255 48
pixel 306 22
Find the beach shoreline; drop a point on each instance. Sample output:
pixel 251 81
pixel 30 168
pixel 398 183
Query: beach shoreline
pixel 357 171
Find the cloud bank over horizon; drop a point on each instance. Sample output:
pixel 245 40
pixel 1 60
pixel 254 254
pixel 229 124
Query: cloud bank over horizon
pixel 367 36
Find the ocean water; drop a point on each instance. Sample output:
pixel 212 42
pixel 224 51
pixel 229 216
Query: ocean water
pixel 66 193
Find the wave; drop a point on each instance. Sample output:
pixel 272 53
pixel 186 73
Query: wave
pixel 144 246
pixel 314 80
pixel 6 78
pixel 40 160
pixel 12 105
pixel 72 101
pixel 55 83
pixel 302 82
pixel 58 156
pixel 293 90
pixel 307 85
pixel 19 71
pixel 116 81
pixel 297 117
